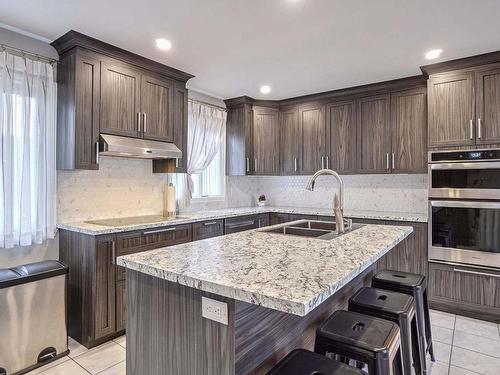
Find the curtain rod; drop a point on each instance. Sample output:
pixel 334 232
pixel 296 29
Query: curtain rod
pixel 23 53
pixel 209 104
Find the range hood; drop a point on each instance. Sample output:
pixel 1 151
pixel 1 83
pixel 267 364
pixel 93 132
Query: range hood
pixel 114 145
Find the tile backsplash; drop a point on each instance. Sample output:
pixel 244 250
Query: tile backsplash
pixel 127 187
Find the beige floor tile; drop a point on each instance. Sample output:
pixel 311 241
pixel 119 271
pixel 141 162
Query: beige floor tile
pixel 460 371
pixel 75 348
pixel 437 368
pixel 48 365
pixel 442 319
pixel 66 368
pixel 477 344
pixel 121 341
pixel 476 362
pixel 102 357
pixel 118 369
pixel 444 335
pixel 442 352
pixel 477 327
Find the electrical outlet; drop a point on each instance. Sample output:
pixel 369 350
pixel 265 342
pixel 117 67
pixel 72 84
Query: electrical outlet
pixel 214 310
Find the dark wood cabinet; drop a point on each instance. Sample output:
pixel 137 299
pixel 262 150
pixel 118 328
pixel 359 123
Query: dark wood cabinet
pixel 312 138
pixel 487 92
pixel 181 124
pixel 266 141
pixel 240 223
pixel 341 129
pixel 207 229
pixel 409 131
pixel 278 218
pixel 104 287
pixel 451 109
pixel 157 102
pixel 469 291
pixel 374 141
pixel 290 141
pixel 120 99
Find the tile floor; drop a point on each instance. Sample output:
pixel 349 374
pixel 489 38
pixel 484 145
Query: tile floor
pixel 462 346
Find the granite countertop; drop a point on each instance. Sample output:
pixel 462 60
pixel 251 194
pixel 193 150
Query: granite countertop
pixel 191 217
pixel 286 273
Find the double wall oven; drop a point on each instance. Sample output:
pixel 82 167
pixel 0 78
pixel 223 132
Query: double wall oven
pixel 464 207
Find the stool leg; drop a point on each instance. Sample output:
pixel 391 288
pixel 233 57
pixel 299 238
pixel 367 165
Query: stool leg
pixel 406 350
pixel 421 328
pixel 397 364
pixel 428 330
pixel 417 350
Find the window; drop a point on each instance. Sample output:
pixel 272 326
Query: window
pixel 210 182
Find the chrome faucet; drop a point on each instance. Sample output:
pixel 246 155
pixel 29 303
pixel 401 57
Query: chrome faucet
pixel 338 202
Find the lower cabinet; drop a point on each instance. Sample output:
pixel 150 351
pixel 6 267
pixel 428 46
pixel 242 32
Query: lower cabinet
pixel 207 229
pixel 470 291
pixel 278 218
pixel 105 310
pixel 242 223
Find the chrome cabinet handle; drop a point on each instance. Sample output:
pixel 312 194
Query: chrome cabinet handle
pixel 210 223
pixel 471 129
pixel 138 122
pixel 387 161
pixel 113 252
pixel 176 162
pixel 159 231
pixel 322 162
pixel 255 165
pixel 393 162
pixel 97 152
pixel 144 122
pixel 248 164
pixel 327 162
pixel 478 128
pixel 295 164
pixel 476 273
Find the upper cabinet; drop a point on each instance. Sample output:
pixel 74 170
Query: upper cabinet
pixel 104 89
pixel 488 104
pixel 312 138
pixel 290 140
pixel 266 141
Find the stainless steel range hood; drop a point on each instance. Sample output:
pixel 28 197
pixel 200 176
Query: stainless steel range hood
pixel 114 145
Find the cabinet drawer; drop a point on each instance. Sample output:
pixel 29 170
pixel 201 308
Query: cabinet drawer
pixel 278 218
pixel 467 289
pixel 207 229
pixel 294 217
pixel 240 224
pixel 262 220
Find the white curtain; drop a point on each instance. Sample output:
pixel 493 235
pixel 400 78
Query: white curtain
pixel 206 127
pixel 27 149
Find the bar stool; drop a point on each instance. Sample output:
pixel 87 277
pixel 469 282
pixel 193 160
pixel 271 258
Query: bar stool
pixel 304 362
pixel 398 308
pixel 414 285
pixel 363 338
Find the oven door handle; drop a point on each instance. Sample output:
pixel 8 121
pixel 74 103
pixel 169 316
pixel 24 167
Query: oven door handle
pixel 464 204
pixel 466 165
pixel 476 273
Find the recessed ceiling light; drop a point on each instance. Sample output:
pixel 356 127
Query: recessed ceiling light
pixel 163 44
pixel 433 54
pixel 265 89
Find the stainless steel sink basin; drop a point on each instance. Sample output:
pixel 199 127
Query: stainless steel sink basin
pixel 324 230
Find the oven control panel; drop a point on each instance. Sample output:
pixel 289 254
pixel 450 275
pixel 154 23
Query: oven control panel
pixel 493 154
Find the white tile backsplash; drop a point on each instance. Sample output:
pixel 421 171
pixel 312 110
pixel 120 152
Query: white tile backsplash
pixel 127 187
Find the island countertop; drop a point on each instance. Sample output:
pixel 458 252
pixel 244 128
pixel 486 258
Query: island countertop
pixel 286 273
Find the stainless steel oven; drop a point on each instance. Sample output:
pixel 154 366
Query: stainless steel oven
pixel 464 207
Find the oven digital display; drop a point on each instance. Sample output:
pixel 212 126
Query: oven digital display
pixel 475 155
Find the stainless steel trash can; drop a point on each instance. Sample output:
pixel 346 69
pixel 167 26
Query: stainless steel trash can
pixel 32 316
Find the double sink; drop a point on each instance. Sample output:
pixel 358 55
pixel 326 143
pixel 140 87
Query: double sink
pixel 324 230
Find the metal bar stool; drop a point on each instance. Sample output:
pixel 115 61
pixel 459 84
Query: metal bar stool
pixel 362 338
pixel 416 286
pixel 304 362
pixel 398 308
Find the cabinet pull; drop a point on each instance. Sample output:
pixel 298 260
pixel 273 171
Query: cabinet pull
pixel 393 162
pixel 387 161
pixel 478 128
pixel 471 129
pixel 97 152
pixel 327 162
pixel 138 122
pixel 255 165
pixel 295 164
pixel 248 164
pixel 176 162
pixel 476 273
pixel 322 162
pixel 113 252
pixel 210 223
pixel 144 122
pixel 159 231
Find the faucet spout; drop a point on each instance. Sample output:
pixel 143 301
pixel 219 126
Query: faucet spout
pixel 338 199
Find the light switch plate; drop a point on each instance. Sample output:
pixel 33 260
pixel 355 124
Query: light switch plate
pixel 214 310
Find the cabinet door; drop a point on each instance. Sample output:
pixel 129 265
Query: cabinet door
pixel 266 141
pixel 239 141
pixel 313 150
pixel 87 92
pixel 374 136
pixel 290 141
pixel 121 305
pixel 157 101
pixel 341 128
pixel 262 220
pixel 240 223
pixel 488 105
pixel 278 218
pixel 451 110
pixel 104 314
pixel 120 94
pixel 409 131
pixel 181 124
pixel 208 229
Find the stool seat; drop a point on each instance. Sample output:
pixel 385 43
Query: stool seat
pixel 399 278
pixel 359 330
pixel 304 362
pixel 383 301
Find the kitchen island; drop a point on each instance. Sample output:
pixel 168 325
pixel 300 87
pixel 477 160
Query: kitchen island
pixel 277 288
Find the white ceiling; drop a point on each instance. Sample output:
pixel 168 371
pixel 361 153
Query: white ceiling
pixel 296 46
